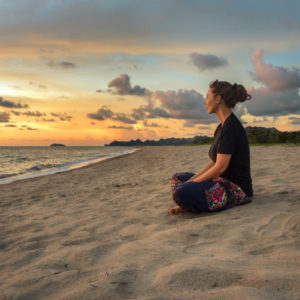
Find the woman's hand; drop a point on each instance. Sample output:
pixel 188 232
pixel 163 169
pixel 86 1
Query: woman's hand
pixel 207 167
pixel 218 179
pixel 190 180
pixel 217 169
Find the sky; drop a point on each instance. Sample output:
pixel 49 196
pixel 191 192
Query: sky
pixel 88 72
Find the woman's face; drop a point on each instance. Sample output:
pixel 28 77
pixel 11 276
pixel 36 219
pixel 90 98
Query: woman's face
pixel 211 102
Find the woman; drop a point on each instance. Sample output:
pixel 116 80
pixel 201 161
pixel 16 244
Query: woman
pixel 225 181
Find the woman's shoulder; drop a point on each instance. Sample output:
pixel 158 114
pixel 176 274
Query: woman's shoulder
pixel 233 122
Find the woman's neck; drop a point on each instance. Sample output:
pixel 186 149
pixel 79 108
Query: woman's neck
pixel 223 114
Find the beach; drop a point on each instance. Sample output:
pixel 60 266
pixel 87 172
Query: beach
pixel 103 232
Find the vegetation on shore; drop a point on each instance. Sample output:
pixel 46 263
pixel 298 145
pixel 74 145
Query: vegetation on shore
pixel 256 135
pixel 260 135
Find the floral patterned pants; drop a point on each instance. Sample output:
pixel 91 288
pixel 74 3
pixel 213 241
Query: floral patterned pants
pixel 206 195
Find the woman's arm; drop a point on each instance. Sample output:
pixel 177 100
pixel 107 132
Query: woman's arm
pixel 207 167
pixel 216 170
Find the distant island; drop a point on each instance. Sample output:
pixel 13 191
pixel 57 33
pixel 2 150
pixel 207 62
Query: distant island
pixel 57 145
pixel 256 135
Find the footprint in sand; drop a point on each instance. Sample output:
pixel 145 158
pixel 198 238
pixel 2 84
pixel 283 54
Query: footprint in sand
pixel 262 251
pixel 124 282
pixel 212 231
pixel 192 238
pixel 208 233
pixel 27 258
pixel 36 198
pixel 33 245
pixel 277 232
pixel 278 224
pixel 195 248
pixel 203 279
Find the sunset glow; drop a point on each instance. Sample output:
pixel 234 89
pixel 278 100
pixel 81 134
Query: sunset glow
pixel 90 72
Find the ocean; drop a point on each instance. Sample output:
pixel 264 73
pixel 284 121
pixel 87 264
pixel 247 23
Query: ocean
pixel 17 163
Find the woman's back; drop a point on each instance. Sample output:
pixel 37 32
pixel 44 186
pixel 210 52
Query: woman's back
pixel 231 138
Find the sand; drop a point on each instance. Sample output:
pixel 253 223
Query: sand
pixel 103 232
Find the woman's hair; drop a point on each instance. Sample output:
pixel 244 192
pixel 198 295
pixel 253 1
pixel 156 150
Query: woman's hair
pixel 230 93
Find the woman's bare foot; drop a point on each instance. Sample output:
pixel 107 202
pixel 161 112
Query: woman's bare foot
pixel 176 210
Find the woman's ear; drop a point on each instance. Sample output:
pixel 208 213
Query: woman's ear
pixel 218 99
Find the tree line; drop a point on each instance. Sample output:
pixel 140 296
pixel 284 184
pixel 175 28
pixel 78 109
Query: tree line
pixel 260 135
pixel 256 135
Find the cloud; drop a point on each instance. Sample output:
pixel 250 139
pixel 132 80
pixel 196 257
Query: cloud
pixel 27 127
pixel 138 113
pixel 41 86
pixel 10 125
pixel 30 128
pixel 188 125
pixel 126 26
pixel 67 64
pixel 152 124
pixel 207 61
pixel 149 112
pixel 121 86
pixel 16 113
pixel 62 64
pixel 47 120
pixel 11 104
pixel 260 120
pixel 240 110
pixel 274 77
pixel 104 113
pixel 185 105
pixel 269 102
pixel 121 127
pixel 182 104
pixel 279 94
pixel 33 114
pixel 294 120
pixel 62 116
pixel 4 117
pixel 203 127
pixel 123 118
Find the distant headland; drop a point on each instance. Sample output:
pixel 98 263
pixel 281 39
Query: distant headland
pixel 256 135
pixel 57 145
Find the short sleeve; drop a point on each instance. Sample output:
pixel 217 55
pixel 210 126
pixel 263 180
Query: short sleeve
pixel 213 148
pixel 227 141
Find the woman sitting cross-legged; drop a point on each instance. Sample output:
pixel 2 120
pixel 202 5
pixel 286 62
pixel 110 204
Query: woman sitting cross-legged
pixel 226 180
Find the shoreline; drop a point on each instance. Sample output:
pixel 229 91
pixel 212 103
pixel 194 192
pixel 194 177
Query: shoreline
pixel 68 167
pixel 57 170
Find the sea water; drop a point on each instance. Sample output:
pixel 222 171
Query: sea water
pixel 17 163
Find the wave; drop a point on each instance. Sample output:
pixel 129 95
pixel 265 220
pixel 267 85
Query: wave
pixel 7 175
pixel 42 167
pixel 48 169
pixel 22 159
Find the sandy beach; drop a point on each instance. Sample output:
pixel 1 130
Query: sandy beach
pixel 103 232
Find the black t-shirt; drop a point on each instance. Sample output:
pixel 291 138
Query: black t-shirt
pixel 231 138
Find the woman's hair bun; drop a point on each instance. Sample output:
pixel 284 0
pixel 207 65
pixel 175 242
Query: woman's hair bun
pixel 242 94
pixel 230 93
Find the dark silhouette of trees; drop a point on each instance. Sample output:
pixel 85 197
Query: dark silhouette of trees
pixel 256 135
